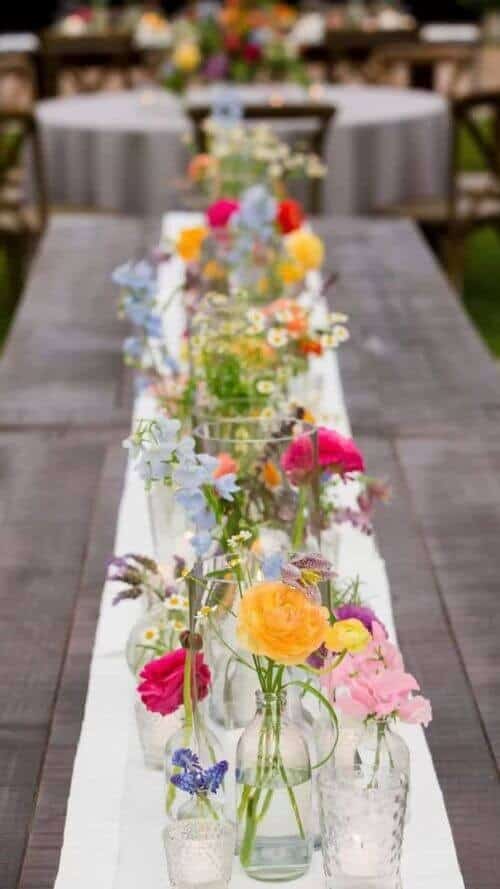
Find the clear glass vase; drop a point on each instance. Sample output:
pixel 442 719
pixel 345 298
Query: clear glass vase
pixel 199 846
pixel 274 794
pixel 158 629
pixel 363 800
pixel 277 467
pixel 195 734
pixel 155 731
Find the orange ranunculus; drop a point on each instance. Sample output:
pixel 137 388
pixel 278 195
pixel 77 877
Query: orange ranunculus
pixel 189 242
pixel 279 622
pixel 310 347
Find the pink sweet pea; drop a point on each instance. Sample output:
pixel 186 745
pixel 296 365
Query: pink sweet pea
pixel 374 683
pixel 226 465
pixel 220 212
pixel 336 454
pixel 161 690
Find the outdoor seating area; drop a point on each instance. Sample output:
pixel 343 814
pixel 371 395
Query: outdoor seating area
pixel 249 449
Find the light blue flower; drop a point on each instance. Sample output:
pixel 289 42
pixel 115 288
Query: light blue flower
pixel 152 463
pixel 205 520
pixel 201 543
pixel 271 565
pixel 165 430
pixel 133 348
pixel 227 108
pixel 140 276
pixel 257 209
pixel 191 475
pixel 185 448
pixel 210 463
pixel 226 486
pixel 153 326
pixel 193 502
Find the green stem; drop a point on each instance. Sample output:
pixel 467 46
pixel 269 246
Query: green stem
pixel 300 519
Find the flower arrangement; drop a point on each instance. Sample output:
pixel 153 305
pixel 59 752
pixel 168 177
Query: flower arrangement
pixel 242 43
pixel 239 156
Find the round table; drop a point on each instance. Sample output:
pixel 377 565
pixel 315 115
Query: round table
pixel 125 152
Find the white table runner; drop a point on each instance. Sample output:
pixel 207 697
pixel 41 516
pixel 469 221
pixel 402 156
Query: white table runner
pixel 112 836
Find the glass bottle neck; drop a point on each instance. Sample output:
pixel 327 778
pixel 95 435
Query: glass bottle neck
pixel 270 702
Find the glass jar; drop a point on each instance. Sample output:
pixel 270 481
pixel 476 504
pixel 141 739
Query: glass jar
pixel 167 522
pixel 199 846
pixel 195 734
pixel 363 801
pixel 155 632
pixel 231 700
pixel 274 794
pixel 278 474
pixel 154 732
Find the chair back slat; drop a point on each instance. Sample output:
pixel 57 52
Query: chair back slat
pixel 315 139
pixel 18 134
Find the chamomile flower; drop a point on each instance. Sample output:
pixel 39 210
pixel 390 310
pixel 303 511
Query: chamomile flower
pixel 207 610
pixel 277 338
pixel 338 318
pixel 341 333
pixel 150 635
pixel 257 320
pixel 328 341
pixel 177 602
pixel 178 625
pixel 237 539
pixel 265 387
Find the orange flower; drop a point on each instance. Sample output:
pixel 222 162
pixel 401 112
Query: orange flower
pixel 189 242
pixel 200 165
pixel 278 621
pixel 310 347
pixel 271 476
pixel 226 465
pixel 290 271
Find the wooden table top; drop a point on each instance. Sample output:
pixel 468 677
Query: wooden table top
pixel 424 400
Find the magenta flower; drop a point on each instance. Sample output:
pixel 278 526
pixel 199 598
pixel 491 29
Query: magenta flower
pixel 161 690
pixel 219 213
pixel 336 454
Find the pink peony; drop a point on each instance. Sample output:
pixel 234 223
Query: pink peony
pixel 336 453
pixel 161 690
pixel 220 212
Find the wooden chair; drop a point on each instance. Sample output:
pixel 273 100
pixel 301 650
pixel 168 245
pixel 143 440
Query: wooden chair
pixel 473 199
pixel 420 62
pixel 21 224
pixel 313 139
pixel 100 54
pixel 17 81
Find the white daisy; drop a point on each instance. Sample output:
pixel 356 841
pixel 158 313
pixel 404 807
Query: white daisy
pixel 150 635
pixel 277 338
pixel 264 387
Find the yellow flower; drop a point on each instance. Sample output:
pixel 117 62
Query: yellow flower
pixel 347 635
pixel 305 248
pixel 212 270
pixel 186 56
pixel 189 242
pixel 290 271
pixel 278 621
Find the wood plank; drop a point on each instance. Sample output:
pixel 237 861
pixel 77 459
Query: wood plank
pixel 416 364
pixel 460 746
pixel 62 363
pixel 48 484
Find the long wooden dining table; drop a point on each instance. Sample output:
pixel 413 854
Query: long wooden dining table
pixel 424 401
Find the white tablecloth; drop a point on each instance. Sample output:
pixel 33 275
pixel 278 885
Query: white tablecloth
pixel 124 152
pixel 115 810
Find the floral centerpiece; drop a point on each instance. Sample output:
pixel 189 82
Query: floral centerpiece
pixel 242 43
pixel 239 156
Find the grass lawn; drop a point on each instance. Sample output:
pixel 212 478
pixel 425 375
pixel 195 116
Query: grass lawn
pixel 482 271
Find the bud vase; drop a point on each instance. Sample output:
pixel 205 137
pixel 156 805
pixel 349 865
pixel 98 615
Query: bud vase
pixel 154 732
pixel 274 794
pixel 199 845
pixel 157 630
pixel 195 734
pixel 363 801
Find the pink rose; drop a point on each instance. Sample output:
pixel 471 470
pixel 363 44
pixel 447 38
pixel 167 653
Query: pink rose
pixel 161 690
pixel 220 212
pixel 336 453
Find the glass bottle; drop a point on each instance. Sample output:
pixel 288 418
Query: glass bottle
pixel 363 803
pixel 274 794
pixel 157 630
pixel 199 845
